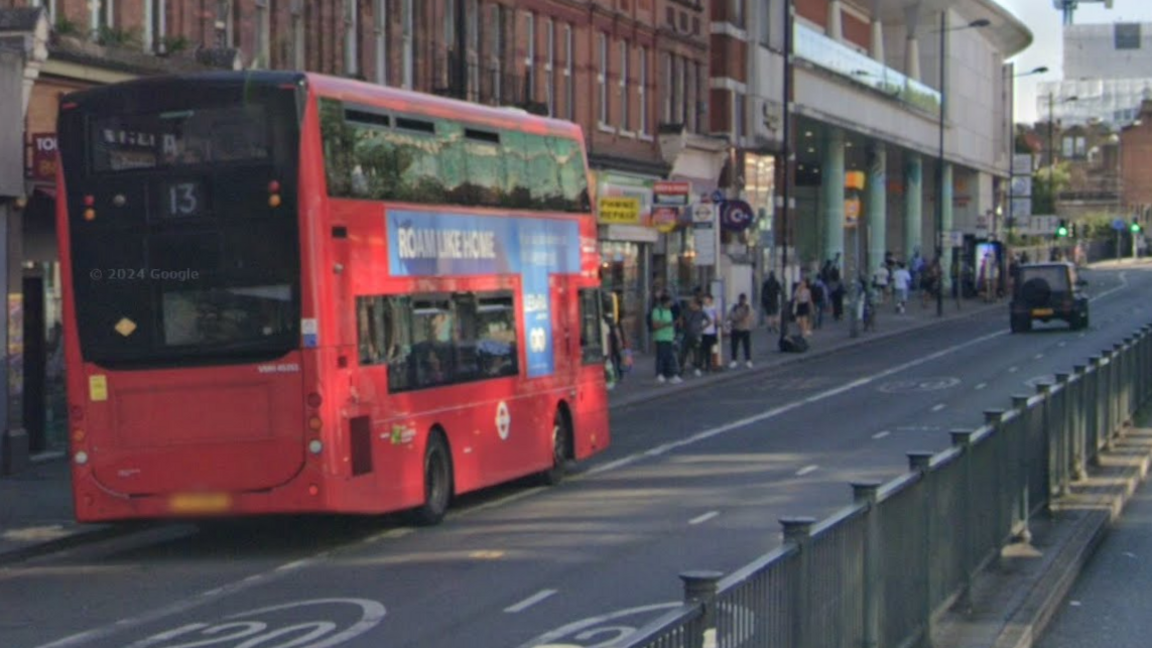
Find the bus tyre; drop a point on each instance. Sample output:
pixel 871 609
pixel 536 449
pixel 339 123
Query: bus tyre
pixel 561 438
pixel 437 482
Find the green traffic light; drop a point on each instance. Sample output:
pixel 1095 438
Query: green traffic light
pixel 1061 231
pixel 1135 226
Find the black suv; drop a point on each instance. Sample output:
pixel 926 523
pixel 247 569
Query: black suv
pixel 1048 291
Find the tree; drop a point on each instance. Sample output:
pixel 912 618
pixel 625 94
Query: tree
pixel 1047 183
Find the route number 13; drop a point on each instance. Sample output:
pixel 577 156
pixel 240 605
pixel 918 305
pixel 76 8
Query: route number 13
pixel 184 199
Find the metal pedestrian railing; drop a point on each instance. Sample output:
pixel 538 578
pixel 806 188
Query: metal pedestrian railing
pixel 877 572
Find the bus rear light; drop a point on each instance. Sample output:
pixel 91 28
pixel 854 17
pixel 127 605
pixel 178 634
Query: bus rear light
pixel 89 201
pixel 314 400
pixel 78 435
pixel 313 490
pixel 315 424
pixel 274 200
pixel 81 458
pixel 89 214
pixel 76 412
pixel 274 187
pixel 315 446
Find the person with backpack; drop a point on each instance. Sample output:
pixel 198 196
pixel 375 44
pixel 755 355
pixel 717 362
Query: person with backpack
pixel 695 323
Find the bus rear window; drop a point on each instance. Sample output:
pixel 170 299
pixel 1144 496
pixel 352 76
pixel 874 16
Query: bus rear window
pixel 179 138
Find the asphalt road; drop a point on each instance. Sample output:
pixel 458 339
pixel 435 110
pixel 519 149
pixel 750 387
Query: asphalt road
pixel 692 482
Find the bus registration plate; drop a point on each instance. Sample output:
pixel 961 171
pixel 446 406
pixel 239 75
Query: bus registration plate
pixel 200 503
pixel 1042 312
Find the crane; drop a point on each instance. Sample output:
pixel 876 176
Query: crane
pixel 1069 7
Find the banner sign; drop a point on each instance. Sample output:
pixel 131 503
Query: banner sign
pixel 422 244
pixel 736 215
pixel 621 211
pixel 41 164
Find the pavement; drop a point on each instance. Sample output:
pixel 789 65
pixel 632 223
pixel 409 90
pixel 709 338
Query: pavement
pixel 1012 600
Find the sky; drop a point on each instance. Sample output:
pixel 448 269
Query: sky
pixel 1047 47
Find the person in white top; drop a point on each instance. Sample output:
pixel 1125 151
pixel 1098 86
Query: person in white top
pixel 901 281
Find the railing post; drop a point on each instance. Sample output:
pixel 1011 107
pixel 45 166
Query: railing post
pixel 1092 435
pixel 1063 438
pixel 1049 442
pixel 700 588
pixel 866 494
pixel 1079 421
pixel 1024 465
pixel 962 439
pixel 1122 388
pixel 921 461
pixel 798 531
pixel 1111 419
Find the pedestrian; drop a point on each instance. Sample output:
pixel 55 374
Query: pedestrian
pixel 880 282
pixel 901 281
pixel 740 320
pixel 617 345
pixel 709 339
pixel 695 322
pixel 836 292
pixel 770 301
pixel 802 307
pixel 819 299
pixel 663 333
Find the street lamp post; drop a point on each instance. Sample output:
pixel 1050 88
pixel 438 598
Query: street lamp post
pixel 1012 149
pixel 786 137
pixel 944 29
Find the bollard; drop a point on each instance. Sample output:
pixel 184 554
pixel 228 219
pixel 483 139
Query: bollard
pixel 1024 464
pixel 1053 483
pixel 1063 446
pixel 700 587
pixel 797 531
pixel 867 494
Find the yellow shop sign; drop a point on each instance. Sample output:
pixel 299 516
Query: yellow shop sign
pixel 621 211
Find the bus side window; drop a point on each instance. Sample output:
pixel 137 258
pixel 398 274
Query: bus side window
pixel 591 333
pixel 370 333
pixel 570 165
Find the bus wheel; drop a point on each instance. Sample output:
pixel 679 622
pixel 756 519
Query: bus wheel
pixel 437 482
pixel 561 439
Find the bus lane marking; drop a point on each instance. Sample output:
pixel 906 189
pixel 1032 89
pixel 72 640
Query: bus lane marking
pixel 530 601
pixel 701 519
pixel 776 412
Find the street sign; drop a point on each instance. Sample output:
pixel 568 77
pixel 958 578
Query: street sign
pixel 702 213
pixel 736 215
pixel 1119 225
pixel 717 196
pixel 665 218
pixel 673 194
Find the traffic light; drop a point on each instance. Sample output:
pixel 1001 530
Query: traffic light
pixel 1072 229
pixel 1062 230
pixel 1135 227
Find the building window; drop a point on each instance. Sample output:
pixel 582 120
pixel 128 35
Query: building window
pixel 409 36
pixel 497 53
pixel 678 91
pixel 473 38
pixel 765 22
pixel 666 72
pixel 569 76
pixel 530 58
pixel 701 96
pixel 351 38
pixel 643 91
pixel 689 94
pixel 740 114
pixel 602 75
pixel 225 24
pixel 155 24
pixel 263 36
pixel 1126 35
pixel 298 35
pixel 549 66
pixel 738 13
pixel 624 123
pixel 103 14
pixel 380 36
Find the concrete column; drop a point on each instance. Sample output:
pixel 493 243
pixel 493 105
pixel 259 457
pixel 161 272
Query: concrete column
pixel 877 205
pixel 832 192
pixel 946 218
pixel 912 58
pixel 835 20
pixel 878 40
pixel 913 205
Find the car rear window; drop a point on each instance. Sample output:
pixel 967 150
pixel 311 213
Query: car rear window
pixel 1055 276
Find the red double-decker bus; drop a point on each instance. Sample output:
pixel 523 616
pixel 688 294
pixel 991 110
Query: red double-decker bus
pixel 287 292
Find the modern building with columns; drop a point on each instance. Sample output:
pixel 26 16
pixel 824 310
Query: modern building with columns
pixel 871 94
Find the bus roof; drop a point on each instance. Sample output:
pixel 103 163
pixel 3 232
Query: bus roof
pixel 409 101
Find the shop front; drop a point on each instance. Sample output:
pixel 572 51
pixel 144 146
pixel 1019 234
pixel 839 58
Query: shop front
pixel 624 209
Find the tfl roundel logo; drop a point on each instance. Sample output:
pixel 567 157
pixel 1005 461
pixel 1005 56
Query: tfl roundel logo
pixel 736 215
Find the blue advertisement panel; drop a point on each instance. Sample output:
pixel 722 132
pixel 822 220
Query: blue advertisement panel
pixel 424 244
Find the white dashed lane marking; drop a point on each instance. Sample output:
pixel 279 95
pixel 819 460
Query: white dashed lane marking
pixel 938 407
pixel 981 386
pixel 881 435
pixel 701 519
pixel 807 469
pixel 530 601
